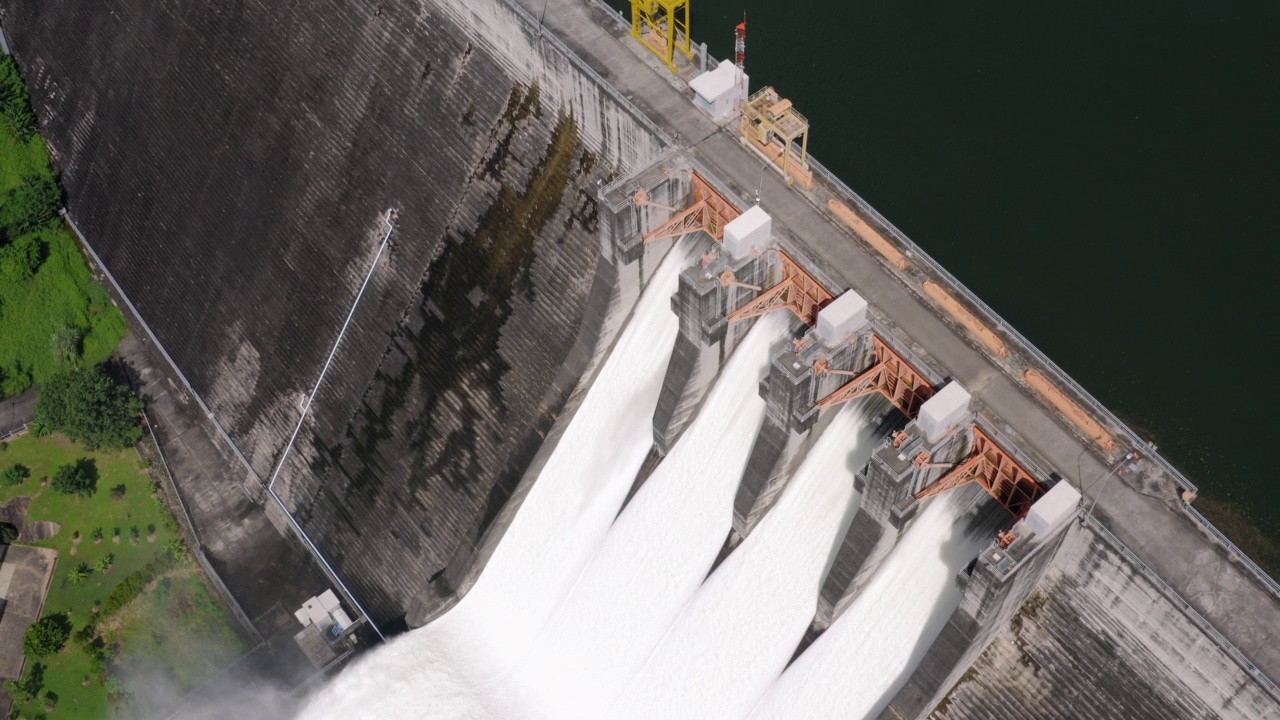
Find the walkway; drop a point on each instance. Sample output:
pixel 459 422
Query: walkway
pixel 1143 511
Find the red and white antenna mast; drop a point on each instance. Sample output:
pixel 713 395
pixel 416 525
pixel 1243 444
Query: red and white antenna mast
pixel 740 43
pixel 740 60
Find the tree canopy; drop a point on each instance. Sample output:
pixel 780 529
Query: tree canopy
pixel 89 408
pixel 46 636
pixel 78 479
pixel 14 475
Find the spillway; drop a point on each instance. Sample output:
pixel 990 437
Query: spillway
pixel 655 556
pixel 853 670
pixel 452 667
pixel 740 630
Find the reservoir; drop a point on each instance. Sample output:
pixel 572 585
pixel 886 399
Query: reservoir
pixel 1103 175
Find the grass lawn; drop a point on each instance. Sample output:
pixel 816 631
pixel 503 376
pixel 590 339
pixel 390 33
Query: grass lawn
pixel 174 633
pixel 62 293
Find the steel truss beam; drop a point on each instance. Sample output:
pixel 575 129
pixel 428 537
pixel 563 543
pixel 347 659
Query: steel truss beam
pixel 798 292
pixel 708 213
pixel 996 471
pixel 890 376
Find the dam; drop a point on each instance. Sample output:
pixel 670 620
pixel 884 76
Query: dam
pixel 618 392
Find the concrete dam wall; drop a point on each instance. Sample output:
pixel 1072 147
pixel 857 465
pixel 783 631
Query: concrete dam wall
pixel 232 165
pixel 1096 637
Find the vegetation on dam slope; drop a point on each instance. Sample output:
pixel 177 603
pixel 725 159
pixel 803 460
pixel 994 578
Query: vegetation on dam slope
pixel 132 597
pixel 53 314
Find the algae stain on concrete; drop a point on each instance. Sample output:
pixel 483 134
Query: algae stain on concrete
pixel 450 341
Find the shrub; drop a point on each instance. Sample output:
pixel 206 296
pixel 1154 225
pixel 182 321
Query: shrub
pixel 30 206
pixel 66 344
pixel 90 408
pixel 96 535
pixel 15 101
pixel 8 533
pixel 135 582
pixel 46 636
pixel 105 562
pixel 14 475
pixel 78 479
pixel 86 635
pixel 79 573
pixel 118 492
pixel 20 259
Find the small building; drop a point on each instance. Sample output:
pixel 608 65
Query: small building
pixel 325 612
pixel 325 629
pixel 718 92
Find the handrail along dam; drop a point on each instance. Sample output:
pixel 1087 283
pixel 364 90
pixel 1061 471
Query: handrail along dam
pixel 925 487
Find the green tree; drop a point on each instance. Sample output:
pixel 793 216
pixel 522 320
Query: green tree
pixel 89 408
pixel 15 101
pixel 79 573
pixel 105 563
pixel 30 206
pixel 78 479
pixel 8 533
pixel 14 475
pixel 20 259
pixel 46 636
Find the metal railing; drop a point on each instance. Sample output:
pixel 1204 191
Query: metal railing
pixel 1187 609
pixel 311 547
pixel 994 319
pixel 1235 553
pixel 16 432
pixel 587 70
pixel 197 549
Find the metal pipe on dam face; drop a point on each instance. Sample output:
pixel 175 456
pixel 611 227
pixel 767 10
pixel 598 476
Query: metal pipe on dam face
pixel 509 277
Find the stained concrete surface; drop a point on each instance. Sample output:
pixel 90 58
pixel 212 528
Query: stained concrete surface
pixel 231 164
pixel 24 581
pixel 269 575
pixel 1097 639
pixel 278 205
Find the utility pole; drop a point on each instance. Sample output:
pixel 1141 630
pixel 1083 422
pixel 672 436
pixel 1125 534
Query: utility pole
pixel 1114 468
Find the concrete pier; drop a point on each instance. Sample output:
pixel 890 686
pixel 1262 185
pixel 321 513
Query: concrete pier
pixel 492 141
pixel 888 484
pixel 791 391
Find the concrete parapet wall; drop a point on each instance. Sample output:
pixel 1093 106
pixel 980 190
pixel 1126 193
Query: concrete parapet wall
pixel 245 257
pixel 1094 638
pixel 991 596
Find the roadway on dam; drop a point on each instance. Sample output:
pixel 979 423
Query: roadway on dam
pixel 1146 516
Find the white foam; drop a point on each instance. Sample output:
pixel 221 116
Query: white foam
pixel 655 556
pixel 455 666
pixel 855 667
pixel 733 641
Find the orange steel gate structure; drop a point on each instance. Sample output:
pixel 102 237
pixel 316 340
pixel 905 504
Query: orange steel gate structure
pixel 995 470
pixel 709 213
pixel 798 292
pixel 890 376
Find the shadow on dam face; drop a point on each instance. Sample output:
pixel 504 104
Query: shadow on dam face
pixel 229 165
pixel 449 423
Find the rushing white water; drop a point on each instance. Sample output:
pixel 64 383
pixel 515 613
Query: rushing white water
pixel 457 665
pixel 736 637
pixel 655 556
pixel 854 669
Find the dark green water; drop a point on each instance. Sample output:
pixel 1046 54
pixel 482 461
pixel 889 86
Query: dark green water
pixel 1104 174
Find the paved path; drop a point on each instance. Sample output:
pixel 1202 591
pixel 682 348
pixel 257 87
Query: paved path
pixel 24 581
pixel 17 411
pixel 1142 508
